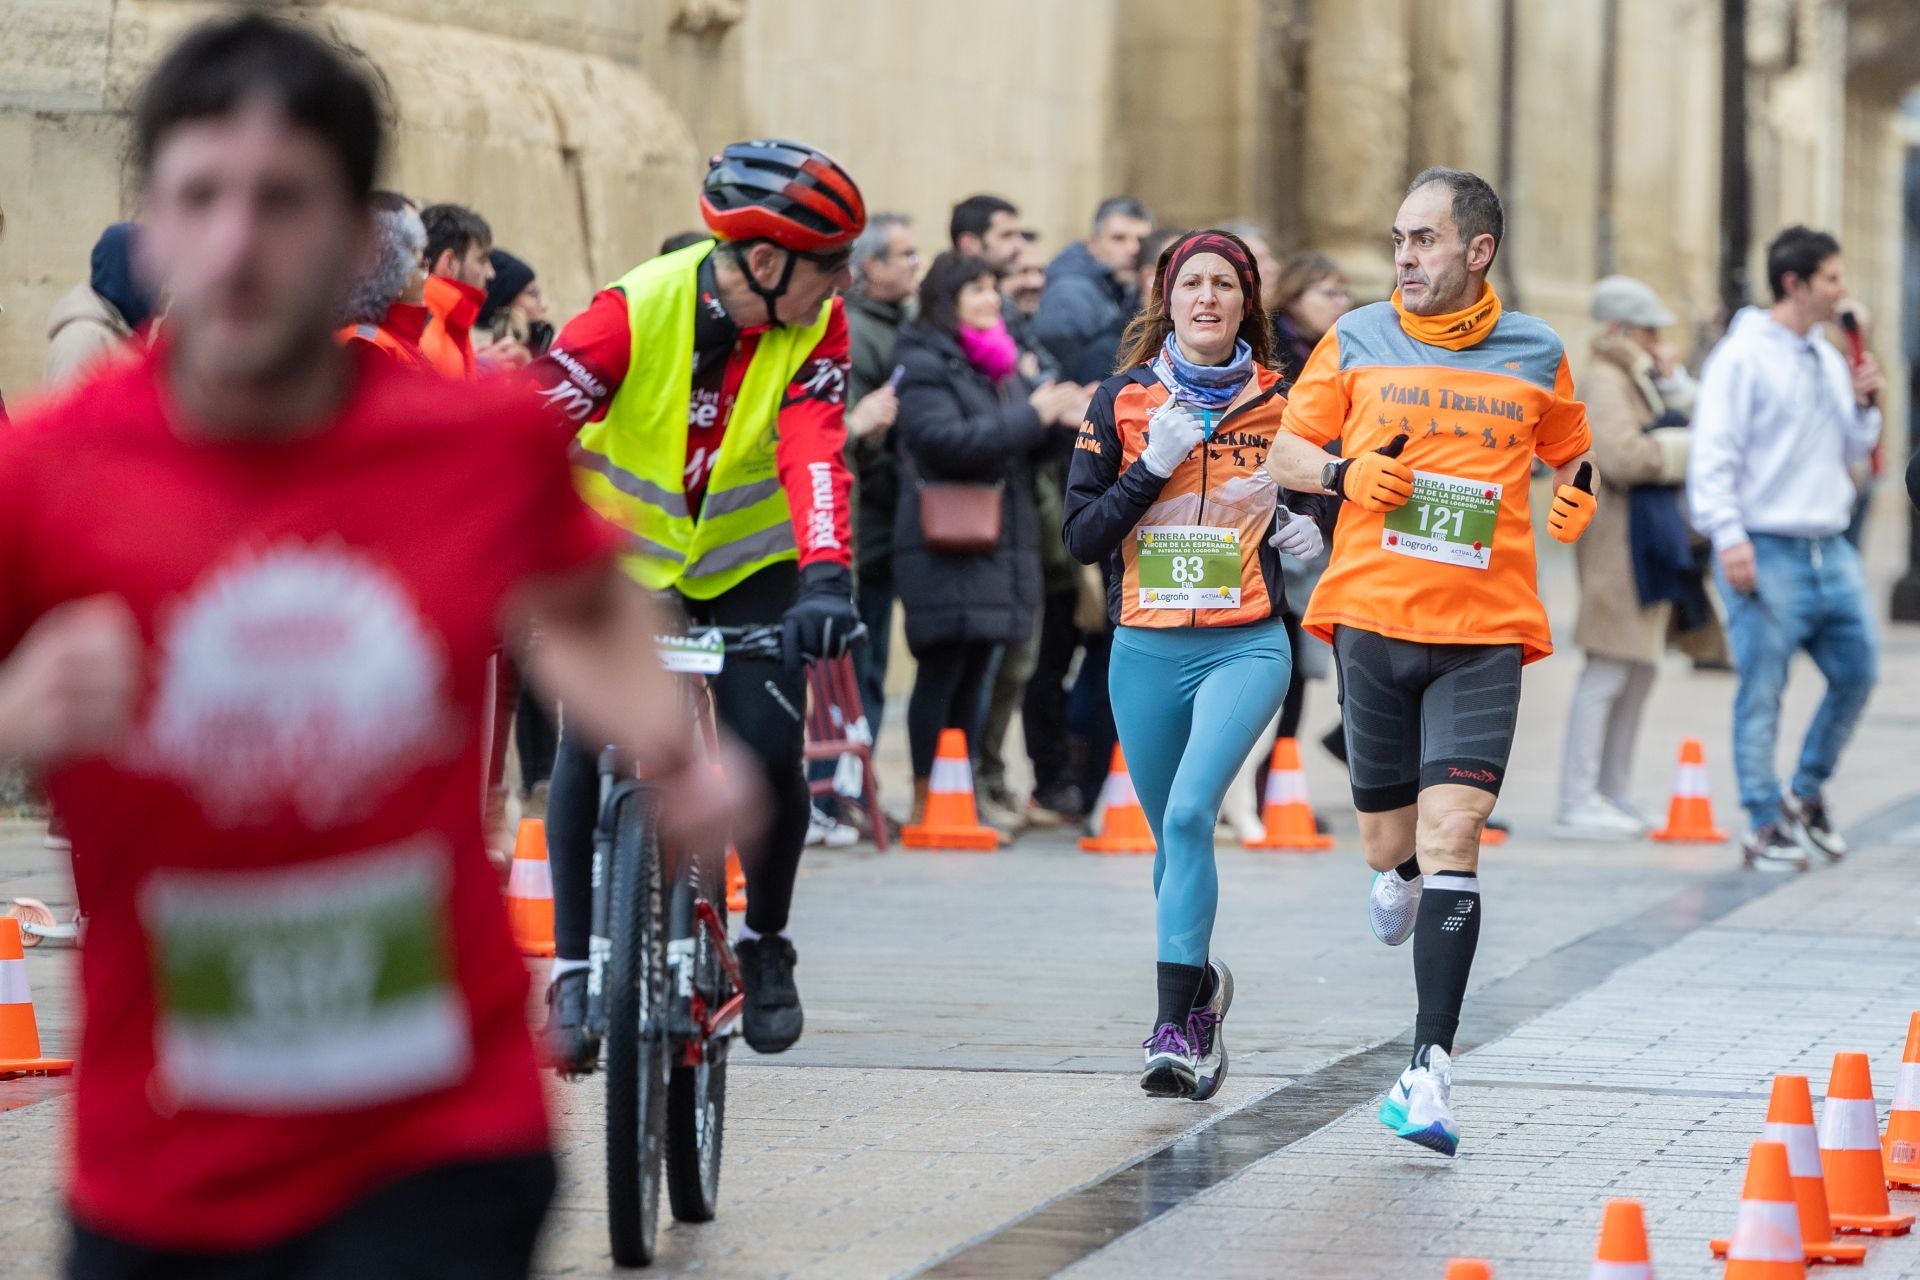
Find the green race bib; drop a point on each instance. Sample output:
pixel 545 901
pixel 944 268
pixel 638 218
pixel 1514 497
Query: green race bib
pixel 1448 519
pixel 1188 566
pixel 309 988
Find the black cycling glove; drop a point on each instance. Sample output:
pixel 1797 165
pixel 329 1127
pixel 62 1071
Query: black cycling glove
pixel 822 621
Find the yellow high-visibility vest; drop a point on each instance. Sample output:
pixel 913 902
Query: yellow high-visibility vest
pixel 631 465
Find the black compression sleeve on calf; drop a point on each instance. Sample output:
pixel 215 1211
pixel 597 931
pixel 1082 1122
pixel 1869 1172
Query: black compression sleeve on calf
pixel 1444 937
pixel 1179 985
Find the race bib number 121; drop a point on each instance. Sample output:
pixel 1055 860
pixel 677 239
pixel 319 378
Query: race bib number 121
pixel 1448 519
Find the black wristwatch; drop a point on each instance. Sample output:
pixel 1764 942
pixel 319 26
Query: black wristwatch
pixel 1332 474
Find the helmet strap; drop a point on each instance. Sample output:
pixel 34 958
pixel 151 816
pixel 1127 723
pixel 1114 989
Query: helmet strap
pixel 770 295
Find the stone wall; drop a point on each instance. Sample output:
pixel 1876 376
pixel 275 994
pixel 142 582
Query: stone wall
pixel 579 126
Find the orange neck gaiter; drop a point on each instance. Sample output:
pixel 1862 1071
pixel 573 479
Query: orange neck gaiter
pixel 1456 330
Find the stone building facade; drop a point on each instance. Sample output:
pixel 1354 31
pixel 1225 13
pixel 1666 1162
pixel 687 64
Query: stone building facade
pixel 578 126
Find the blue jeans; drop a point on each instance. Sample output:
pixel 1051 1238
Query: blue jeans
pixel 1190 703
pixel 1810 593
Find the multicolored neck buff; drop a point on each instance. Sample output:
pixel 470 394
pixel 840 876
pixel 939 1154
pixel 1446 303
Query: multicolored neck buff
pixel 1210 386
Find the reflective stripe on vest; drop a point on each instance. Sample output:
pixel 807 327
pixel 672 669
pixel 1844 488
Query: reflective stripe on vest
pixel 630 465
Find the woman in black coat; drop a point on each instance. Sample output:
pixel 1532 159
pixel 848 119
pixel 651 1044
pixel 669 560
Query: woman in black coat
pixel 967 417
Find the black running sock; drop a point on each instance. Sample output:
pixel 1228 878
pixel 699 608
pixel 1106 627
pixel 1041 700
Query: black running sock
pixel 1207 984
pixel 1409 870
pixel 1179 984
pixel 1444 937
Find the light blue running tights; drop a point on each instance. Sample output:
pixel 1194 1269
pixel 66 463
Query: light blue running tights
pixel 1189 703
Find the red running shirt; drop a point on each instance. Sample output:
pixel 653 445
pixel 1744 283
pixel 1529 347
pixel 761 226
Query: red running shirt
pixel 298 977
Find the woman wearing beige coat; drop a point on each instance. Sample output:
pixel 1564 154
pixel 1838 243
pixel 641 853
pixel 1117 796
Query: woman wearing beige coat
pixel 1631 379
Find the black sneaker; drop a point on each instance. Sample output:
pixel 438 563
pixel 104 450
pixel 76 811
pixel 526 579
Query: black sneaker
pixel 772 1018
pixel 1771 848
pixel 570 1050
pixel 1808 820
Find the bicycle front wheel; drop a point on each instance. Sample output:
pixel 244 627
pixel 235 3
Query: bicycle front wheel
pixel 697 1094
pixel 637 1049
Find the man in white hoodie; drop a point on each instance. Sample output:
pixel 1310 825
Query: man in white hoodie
pixel 1779 417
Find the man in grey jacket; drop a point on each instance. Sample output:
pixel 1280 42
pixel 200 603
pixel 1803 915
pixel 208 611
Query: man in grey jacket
pixel 1090 295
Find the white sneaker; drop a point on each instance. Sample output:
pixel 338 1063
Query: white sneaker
pixel 1625 809
pixel 1392 906
pixel 1595 819
pixel 822 830
pixel 1419 1107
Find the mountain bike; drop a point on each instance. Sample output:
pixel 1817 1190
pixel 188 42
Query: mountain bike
pixel 663 984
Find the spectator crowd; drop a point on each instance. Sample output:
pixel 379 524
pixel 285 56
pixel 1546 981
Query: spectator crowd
pixel 973 362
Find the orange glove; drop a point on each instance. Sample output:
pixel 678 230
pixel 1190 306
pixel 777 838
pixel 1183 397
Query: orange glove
pixel 1376 481
pixel 1573 506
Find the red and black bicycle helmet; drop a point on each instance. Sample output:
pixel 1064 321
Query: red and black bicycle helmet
pixel 788 193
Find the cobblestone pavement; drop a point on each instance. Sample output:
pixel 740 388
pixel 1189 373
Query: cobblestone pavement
pixel 963 1101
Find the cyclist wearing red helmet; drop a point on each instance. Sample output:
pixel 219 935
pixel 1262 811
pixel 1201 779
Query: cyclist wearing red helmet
pixel 707 390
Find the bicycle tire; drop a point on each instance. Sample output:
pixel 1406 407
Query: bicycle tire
pixel 636 1024
pixel 697 1095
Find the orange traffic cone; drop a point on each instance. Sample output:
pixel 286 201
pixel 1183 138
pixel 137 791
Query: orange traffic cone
pixel 1491 835
pixel 736 882
pixel 1901 1146
pixel 19 1031
pixel 530 890
pixel 1690 815
pixel 1850 1152
pixel 1123 823
pixel 1287 813
pixel 1623 1244
pixel 1766 1234
pixel 951 823
pixel 1790 1123
pixel 1469 1269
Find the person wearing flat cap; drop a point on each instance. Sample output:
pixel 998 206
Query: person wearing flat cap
pixel 1638 396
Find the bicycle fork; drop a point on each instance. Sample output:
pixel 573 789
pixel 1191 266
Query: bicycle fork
pixel 600 936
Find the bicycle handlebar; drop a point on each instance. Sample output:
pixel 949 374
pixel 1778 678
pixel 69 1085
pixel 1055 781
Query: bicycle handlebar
pixel 765 641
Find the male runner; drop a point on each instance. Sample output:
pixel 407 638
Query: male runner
pixel 708 387
pixel 248 584
pixel 1441 401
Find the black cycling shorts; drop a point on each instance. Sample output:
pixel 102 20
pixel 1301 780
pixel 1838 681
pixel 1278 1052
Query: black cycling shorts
pixel 1420 715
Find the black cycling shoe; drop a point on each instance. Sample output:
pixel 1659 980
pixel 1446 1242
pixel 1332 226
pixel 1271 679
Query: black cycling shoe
pixel 570 1050
pixel 771 1015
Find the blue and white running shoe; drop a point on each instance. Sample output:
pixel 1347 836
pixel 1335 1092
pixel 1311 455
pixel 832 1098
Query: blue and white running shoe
pixel 1419 1108
pixel 1392 906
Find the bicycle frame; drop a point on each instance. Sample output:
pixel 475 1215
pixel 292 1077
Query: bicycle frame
pixel 691 916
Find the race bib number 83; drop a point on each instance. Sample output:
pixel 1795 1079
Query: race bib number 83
pixel 1448 519
pixel 1183 566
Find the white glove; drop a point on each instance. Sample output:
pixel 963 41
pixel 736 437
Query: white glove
pixel 1298 536
pixel 1172 432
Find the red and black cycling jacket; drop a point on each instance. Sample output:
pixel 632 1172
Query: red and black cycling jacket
pixel 589 360
pixel 1223 483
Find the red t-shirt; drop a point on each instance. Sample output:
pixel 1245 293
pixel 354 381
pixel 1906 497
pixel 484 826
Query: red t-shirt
pixel 589 361
pixel 298 977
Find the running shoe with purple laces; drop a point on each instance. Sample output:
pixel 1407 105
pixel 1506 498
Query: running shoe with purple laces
pixel 1206 1033
pixel 1169 1072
